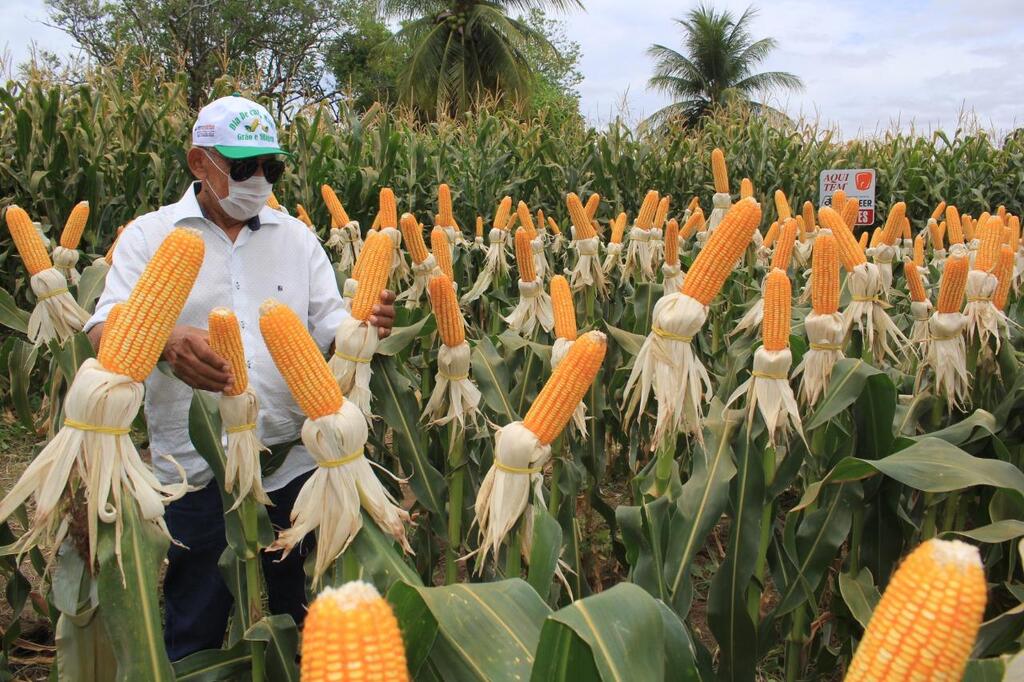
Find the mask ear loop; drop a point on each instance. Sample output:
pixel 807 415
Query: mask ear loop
pixel 228 176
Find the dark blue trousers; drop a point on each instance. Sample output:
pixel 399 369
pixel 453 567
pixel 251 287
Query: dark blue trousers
pixel 197 602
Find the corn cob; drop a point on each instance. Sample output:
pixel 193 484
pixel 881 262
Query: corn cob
pixel 553 226
pixel 388 208
pixel 1014 224
pixel 351 635
pixel 75 225
pixel 111 322
pixel 991 235
pixel 952 285
pixel 894 223
pixel 784 246
pixel 876 237
pixel 782 206
pixel 479 226
pixel 446 217
pixel 825 266
pixel 593 202
pixel 693 224
pixel 564 308
pixel 1001 212
pixel 524 256
pixel 412 236
pixel 693 205
pixel 273 203
pixel 967 223
pixel 504 212
pixel 808 214
pixel 445 304
pixel 926 622
pixel 724 247
pixel 905 227
pixel 1004 273
pixel 746 188
pixel 376 222
pixel 850 210
pixel 850 252
pixel 672 243
pixel 132 346
pixel 645 219
pixel 937 231
pixel 338 216
pixel 566 387
pixel 226 341
pixel 778 304
pixel 109 256
pixel 526 220
pixel 619 228
pixel 375 260
pixel 771 235
pixel 914 284
pixel 919 250
pixel 802 230
pixel 442 251
pixel 863 242
pixel 578 215
pixel 27 240
pixel 662 213
pixel 719 172
pixel 839 201
pixel 939 211
pixel 301 214
pixel 954 227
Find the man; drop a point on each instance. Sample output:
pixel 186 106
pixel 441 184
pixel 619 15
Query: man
pixel 252 253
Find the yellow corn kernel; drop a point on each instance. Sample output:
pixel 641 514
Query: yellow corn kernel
pixel 724 247
pixel 919 250
pixel 526 220
pixel 783 252
pixel 442 252
pixel 905 228
pixel 133 345
pixel 412 237
pixel 1007 235
pixel 662 213
pixel 719 172
pixel 553 226
pixel 75 225
pixel 111 322
pixel 952 285
pixel 939 211
pixel 524 256
pixel 782 206
pixel 771 235
pixel 273 203
pixel 937 231
pixel 672 243
pixel 694 224
pixel 619 228
pixel 778 303
pixel 446 217
pixel 565 388
pixel 450 323
pixel 991 236
pixel 226 341
pixel 338 216
pixel 299 360
pixel 954 226
pixel 301 214
pixel 876 237
pixel 1004 273
pixel 926 622
pixel 1014 224
pixel 593 202
pixel 863 242
pixel 825 282
pixel 850 252
pixel 374 266
pixel 914 283
pixel 808 214
pixel 645 218
pixel 578 215
pixel 1001 212
pixel 746 188
pixel 479 226
pixel 388 208
pixel 839 201
pixel 850 210
pixel 27 240
pixel 801 230
pixel 376 222
pixel 894 223
pixel 694 204
pixel 109 256
pixel 504 212
pixel 351 635
pixel 564 308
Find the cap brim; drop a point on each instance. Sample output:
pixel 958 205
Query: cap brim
pixel 231 152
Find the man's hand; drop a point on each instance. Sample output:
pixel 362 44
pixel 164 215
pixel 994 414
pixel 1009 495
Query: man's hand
pixel 383 316
pixel 189 353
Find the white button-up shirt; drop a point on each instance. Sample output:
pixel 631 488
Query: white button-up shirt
pixel 283 260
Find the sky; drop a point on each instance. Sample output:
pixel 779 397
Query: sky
pixel 867 64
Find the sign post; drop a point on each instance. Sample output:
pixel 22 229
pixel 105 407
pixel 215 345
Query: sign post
pixel 857 183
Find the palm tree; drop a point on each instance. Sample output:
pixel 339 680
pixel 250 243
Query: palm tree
pixel 718 64
pixel 463 50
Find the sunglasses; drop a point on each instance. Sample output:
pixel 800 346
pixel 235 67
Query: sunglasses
pixel 243 169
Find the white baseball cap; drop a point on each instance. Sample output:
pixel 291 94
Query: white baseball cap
pixel 237 128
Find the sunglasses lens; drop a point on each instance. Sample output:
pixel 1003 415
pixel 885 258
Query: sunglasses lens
pixel 272 170
pixel 242 169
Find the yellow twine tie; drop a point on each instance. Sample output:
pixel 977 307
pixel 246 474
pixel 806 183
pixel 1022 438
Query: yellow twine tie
pixel 976 299
pixel 866 299
pixel 515 470
pixel 669 335
pixel 55 292
pixel 767 375
pixel 350 358
pixel 946 338
pixel 243 427
pixel 95 428
pixel 826 346
pixel 333 463
pixel 453 377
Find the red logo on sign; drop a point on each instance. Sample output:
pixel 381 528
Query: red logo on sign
pixel 863 181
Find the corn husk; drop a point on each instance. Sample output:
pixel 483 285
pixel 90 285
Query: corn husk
pixel 657 248
pixel 1018 268
pixel 355 342
pixel 946 360
pixel 750 323
pixel 920 312
pixel 826 334
pixel 638 263
pixel 242 475
pixel 534 308
pixel 540 261
pixel 803 252
pixel 400 272
pixel 867 311
pixel 883 256
pixel 330 499
pixel 984 320
pixel 65 261
pixel 672 278
pixel 421 274
pixel 348 292
pixel 720 203
pixel 455 397
pixel 587 272
pixel 769 393
pixel 57 315
pixel 348 242
pixel 495 265
pixel 612 259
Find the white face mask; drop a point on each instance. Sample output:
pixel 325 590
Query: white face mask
pixel 246 198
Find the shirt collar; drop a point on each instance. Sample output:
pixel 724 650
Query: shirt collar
pixel 188 207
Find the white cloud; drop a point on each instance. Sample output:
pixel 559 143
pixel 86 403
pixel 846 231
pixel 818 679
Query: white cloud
pixel 23 26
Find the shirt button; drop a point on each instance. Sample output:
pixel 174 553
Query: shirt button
pixel 241 324
pixel 238 285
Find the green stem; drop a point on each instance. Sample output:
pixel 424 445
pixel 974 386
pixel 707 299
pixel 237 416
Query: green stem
pixel 795 645
pixel 663 465
pixel 856 538
pixel 949 512
pixel 767 522
pixel 513 558
pixel 350 566
pixel 457 475
pixel 930 511
pixel 556 474
pixel 253 584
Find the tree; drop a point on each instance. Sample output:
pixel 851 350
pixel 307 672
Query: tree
pixel 365 59
pixel 274 45
pixel 556 72
pixel 462 51
pixel 719 63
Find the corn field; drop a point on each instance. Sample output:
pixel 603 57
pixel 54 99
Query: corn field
pixel 650 411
